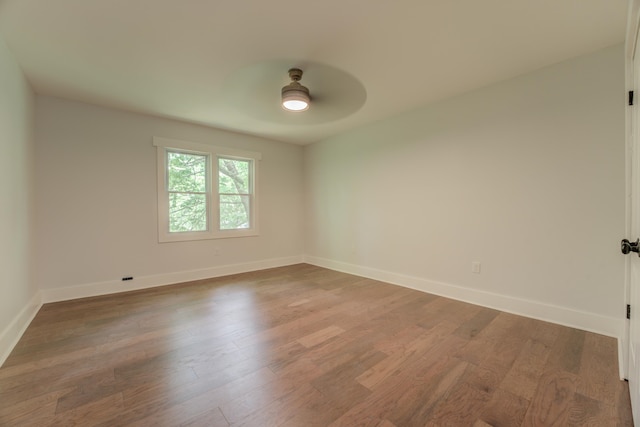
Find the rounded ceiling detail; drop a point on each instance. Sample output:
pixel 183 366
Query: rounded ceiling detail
pixel 255 91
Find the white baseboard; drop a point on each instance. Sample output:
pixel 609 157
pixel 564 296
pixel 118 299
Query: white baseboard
pixel 10 336
pixel 622 360
pixel 603 325
pixel 144 282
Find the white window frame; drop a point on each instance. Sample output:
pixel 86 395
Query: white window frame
pixel 213 222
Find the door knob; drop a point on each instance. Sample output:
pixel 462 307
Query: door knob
pixel 626 246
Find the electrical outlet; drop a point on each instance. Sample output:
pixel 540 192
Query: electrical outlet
pixel 475 267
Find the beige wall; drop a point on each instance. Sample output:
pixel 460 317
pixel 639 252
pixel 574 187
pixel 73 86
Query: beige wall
pixel 526 177
pixel 16 200
pixel 97 209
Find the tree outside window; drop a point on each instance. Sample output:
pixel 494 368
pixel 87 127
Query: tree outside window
pixel 188 192
pixel 234 189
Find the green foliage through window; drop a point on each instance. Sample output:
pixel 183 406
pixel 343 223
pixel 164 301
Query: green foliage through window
pixel 187 186
pixel 234 189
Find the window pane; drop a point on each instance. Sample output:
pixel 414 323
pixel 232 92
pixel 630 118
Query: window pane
pixel 234 212
pixel 187 212
pixel 187 172
pixel 233 176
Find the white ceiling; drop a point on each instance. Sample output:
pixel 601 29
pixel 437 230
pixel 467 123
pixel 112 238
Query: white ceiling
pixel 222 62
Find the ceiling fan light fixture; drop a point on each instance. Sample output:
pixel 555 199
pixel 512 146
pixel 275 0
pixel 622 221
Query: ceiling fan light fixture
pixel 295 97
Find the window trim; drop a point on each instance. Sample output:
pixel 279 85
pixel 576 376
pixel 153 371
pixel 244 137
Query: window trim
pixel 212 152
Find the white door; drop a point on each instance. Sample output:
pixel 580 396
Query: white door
pixel 633 206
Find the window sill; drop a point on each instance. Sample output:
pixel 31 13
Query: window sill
pixel 187 237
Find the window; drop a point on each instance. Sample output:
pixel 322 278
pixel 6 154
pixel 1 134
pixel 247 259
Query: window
pixel 188 191
pixel 205 192
pixel 234 191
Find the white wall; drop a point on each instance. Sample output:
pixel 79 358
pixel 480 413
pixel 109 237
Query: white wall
pixel 526 177
pixel 97 211
pixel 17 292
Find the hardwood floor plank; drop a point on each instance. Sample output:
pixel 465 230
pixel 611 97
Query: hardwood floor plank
pixel 304 346
pixel 339 384
pixel 26 385
pixel 344 349
pixel 567 351
pixel 320 336
pixel 86 415
pixel 597 384
pixel 210 418
pixel 543 332
pixel 398 395
pixel 284 333
pixel 190 399
pixel 551 405
pixel 622 405
pixel 589 412
pixel 462 407
pixel 483 379
pixel 522 379
pixel 500 344
pixel 477 323
pixel 444 309
pixel 89 389
pixel 505 409
pixel 433 393
pixel 396 359
pixel 302 369
pixel 41 407
pixel 254 402
pixel 397 342
pixel 280 411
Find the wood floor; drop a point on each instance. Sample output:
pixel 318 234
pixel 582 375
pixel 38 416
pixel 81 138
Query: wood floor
pixel 304 346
